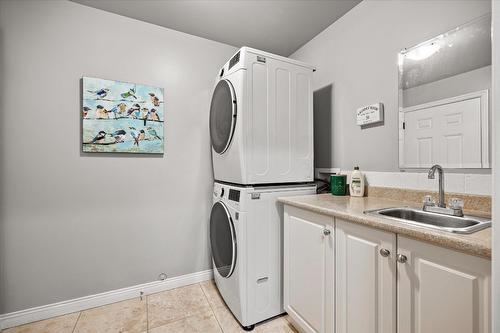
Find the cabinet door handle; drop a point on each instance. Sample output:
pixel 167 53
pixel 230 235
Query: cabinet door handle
pixel 385 252
pixel 326 232
pixel 401 258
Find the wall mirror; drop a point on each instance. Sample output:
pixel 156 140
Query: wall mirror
pixel 444 107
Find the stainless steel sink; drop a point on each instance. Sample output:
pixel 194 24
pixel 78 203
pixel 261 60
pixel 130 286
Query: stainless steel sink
pixel 461 225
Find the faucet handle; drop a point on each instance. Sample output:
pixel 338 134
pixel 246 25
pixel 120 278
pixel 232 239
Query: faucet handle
pixel 456 203
pixel 429 201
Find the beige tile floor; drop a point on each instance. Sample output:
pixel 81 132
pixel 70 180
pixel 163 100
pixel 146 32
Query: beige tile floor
pixel 194 308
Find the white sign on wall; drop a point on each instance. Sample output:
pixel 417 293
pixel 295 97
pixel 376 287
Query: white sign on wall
pixel 370 114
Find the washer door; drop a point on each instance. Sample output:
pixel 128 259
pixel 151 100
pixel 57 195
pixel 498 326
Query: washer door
pixel 222 239
pixel 222 116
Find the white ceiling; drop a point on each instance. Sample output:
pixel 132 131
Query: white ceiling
pixel 277 26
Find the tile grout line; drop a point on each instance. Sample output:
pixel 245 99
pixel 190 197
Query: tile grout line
pixel 185 316
pixel 147 313
pixel 76 322
pixel 178 319
pixel 211 308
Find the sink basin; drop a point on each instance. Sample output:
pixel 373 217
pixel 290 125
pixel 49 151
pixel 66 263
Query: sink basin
pixel 461 225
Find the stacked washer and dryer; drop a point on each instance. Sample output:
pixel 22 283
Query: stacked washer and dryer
pixel 261 129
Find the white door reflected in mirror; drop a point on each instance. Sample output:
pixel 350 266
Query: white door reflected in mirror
pixel 443 99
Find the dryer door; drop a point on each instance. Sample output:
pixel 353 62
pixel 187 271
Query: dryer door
pixel 222 116
pixel 222 239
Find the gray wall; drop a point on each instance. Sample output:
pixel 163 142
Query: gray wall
pixel 76 224
pixel 357 56
pixel 471 81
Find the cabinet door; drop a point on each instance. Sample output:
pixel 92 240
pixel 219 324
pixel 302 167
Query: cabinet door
pixel 365 279
pixel 440 290
pixel 309 269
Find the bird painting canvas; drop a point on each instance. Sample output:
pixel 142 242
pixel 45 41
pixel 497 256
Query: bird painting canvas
pixel 122 117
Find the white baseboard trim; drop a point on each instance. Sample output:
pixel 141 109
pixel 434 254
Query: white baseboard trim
pixel 83 303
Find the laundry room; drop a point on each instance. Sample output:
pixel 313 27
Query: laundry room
pixel 249 165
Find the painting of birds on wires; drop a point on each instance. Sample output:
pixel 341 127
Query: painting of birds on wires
pixel 122 117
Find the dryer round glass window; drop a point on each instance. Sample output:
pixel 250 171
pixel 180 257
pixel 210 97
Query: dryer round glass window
pixel 222 239
pixel 222 116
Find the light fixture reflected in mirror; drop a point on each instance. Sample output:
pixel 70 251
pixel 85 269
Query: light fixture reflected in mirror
pixel 423 52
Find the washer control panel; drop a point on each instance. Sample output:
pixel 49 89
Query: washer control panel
pixel 234 195
pixel 230 196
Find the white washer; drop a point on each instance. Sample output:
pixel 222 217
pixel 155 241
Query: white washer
pixel 246 240
pixel 261 120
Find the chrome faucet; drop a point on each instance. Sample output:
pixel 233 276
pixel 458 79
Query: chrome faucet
pixel 456 205
pixel 431 175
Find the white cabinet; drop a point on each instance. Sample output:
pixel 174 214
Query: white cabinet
pixel 441 290
pixel 384 283
pixel 309 269
pixel 365 279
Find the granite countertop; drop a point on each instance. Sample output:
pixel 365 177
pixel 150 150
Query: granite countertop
pixel 351 209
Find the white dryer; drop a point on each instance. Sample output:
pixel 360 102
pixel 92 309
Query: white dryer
pixel 261 120
pixel 246 226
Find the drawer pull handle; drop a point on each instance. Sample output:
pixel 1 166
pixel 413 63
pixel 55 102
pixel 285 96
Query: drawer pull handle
pixel 326 232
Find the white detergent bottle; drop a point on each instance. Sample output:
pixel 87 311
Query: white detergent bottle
pixel 357 187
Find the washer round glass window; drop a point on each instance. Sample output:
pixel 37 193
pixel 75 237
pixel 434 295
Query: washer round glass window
pixel 222 240
pixel 222 116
